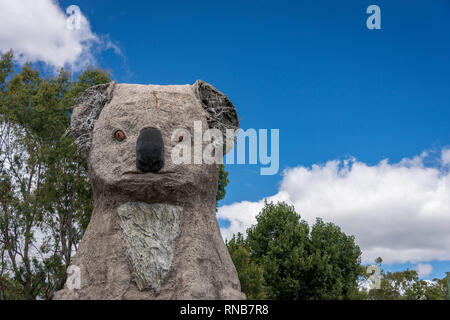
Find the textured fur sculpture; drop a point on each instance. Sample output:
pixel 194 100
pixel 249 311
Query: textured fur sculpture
pixel 153 233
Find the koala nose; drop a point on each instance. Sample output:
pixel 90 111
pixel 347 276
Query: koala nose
pixel 150 150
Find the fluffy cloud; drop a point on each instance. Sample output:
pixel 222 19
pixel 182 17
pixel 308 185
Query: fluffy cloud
pixel 424 269
pixel 446 157
pixel 38 31
pixel 399 211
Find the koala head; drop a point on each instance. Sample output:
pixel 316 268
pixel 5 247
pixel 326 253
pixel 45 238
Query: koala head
pixel 128 132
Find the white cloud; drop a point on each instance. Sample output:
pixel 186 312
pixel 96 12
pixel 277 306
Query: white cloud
pixel 446 156
pixel 37 31
pixel 398 211
pixel 424 269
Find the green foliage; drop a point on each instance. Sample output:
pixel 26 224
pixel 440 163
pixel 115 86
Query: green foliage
pixel 406 285
pixel 250 273
pixel 6 68
pixel 379 261
pixel 438 290
pixel 299 262
pixel 10 289
pixel 335 262
pixel 223 181
pixel 45 198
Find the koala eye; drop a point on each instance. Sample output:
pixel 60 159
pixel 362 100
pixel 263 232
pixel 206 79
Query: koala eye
pixel 119 135
pixel 180 135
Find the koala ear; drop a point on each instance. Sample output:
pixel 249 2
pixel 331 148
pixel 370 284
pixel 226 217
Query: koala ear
pixel 221 112
pixel 86 111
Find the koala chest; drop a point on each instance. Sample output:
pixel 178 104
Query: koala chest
pixel 150 232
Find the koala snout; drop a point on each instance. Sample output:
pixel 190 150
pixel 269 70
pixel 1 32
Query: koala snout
pixel 149 150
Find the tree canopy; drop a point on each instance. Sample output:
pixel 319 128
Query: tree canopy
pixel 46 199
pixel 297 262
pixel 406 285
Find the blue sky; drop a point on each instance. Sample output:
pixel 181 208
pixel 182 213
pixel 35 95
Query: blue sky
pixel 311 69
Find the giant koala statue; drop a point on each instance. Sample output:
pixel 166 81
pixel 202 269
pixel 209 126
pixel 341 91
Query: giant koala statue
pixel 153 233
